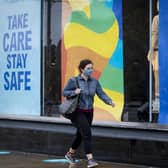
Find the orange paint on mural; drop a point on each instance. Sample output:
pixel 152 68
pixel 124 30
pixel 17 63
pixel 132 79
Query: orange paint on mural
pixel 63 62
pixel 100 114
pixel 76 54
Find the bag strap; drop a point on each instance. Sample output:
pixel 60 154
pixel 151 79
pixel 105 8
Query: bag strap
pixel 77 86
pixel 76 82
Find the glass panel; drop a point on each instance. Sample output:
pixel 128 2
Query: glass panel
pixel 155 61
pixel 52 91
pixel 115 35
pixel 85 29
pixel 20 62
pixel 136 64
pixel 93 30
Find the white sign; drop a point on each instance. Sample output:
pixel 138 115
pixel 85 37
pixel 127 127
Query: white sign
pixel 20 57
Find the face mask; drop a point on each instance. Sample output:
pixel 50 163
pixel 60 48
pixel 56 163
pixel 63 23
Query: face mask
pixel 88 72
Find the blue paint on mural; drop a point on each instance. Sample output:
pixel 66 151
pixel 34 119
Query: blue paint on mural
pixel 117 58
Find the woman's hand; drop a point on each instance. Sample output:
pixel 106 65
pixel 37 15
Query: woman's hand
pixel 78 91
pixel 112 104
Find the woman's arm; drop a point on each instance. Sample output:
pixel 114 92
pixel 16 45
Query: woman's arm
pixel 69 89
pixel 102 95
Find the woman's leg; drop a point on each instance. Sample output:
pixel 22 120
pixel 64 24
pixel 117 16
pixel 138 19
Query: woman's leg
pixel 84 125
pixel 75 144
pixel 77 141
pixel 85 121
pixel 90 119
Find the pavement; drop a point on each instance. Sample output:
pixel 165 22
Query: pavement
pixel 29 160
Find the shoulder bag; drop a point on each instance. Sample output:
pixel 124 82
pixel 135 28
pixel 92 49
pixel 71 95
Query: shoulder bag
pixel 69 105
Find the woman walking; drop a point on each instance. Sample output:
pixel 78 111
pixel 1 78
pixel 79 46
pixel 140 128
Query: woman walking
pixel 83 116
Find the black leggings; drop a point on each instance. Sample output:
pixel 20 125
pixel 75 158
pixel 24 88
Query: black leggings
pixel 82 121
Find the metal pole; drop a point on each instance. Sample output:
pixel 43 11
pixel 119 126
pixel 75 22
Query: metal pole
pixel 150 63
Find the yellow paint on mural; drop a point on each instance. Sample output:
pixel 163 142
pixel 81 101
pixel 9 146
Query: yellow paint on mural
pixel 78 4
pixel 118 99
pixel 76 35
pixel 87 11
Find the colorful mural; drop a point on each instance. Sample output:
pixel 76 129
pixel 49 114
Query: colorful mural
pixel 93 29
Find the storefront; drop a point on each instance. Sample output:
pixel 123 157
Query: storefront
pixel 42 43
